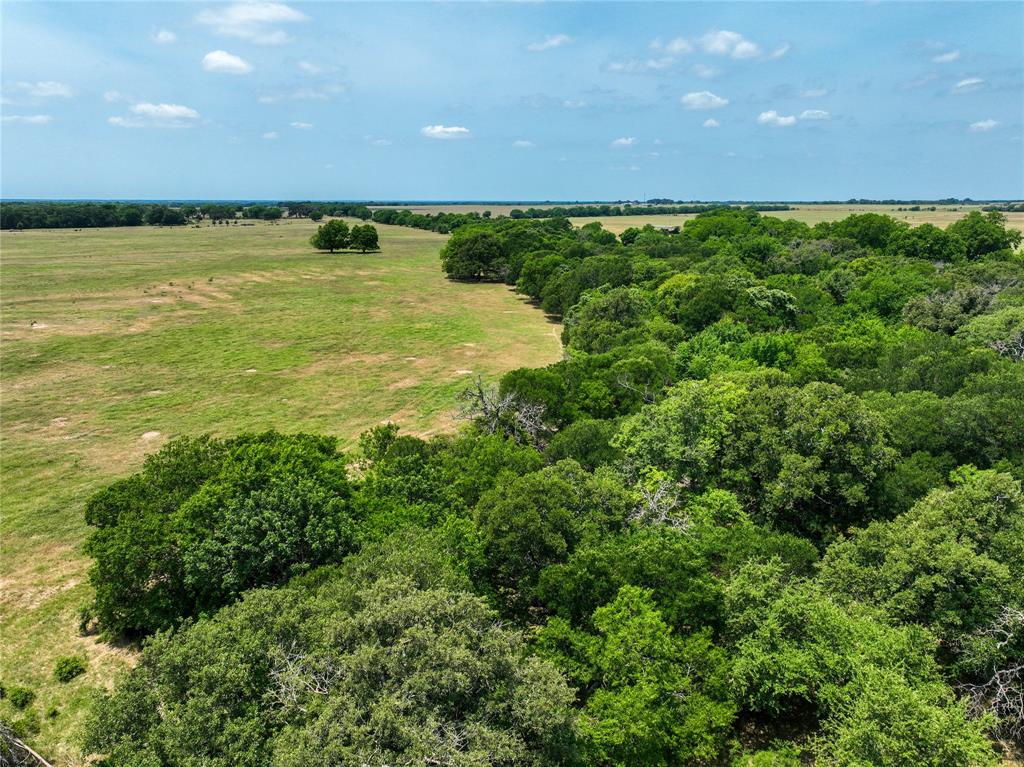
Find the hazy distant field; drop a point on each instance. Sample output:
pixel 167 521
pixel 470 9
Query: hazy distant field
pixel 810 214
pixel 146 333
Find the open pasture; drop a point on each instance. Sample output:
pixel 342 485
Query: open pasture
pixel 812 214
pixel 116 340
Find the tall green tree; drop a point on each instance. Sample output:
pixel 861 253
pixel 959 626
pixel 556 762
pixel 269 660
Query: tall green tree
pixel 332 236
pixel 364 237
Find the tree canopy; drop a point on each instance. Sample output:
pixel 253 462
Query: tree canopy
pixel 766 510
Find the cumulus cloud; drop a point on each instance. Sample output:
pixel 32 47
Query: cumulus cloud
pixel 26 119
pixel 771 117
pixel 271 135
pixel 637 66
pixel 254 22
pixel 622 143
pixel 711 122
pixel 445 131
pixel 703 100
pixel 947 58
pixel 813 93
pixel 302 126
pixel 226 63
pixel 44 89
pixel 781 51
pixel 164 37
pixel 550 42
pixel 723 42
pixel 968 84
pixel 815 114
pixel 523 144
pixel 984 125
pixel 165 111
pixel 146 115
pixel 677 45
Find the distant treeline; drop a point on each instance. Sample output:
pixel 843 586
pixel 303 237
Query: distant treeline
pixel 581 211
pixel 81 215
pixel 449 222
pixel 76 215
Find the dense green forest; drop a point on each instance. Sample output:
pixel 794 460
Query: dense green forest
pixel 766 511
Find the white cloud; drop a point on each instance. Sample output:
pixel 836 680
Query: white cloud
pixel 445 131
pixel 164 37
pixel 703 100
pixel 574 104
pixel 622 143
pixel 968 84
pixel 309 68
pixel 984 125
pixel 44 89
pixel 147 115
pixel 676 45
pixel 723 42
pixel 815 114
pixel 947 58
pixel 549 42
pixel 27 119
pixel 711 122
pixel 772 117
pixel 271 135
pixel 781 51
pixel 378 141
pixel 523 144
pixel 164 111
pixel 252 21
pixel 114 96
pixel 634 66
pixel 302 126
pixel 226 63
pixel 813 93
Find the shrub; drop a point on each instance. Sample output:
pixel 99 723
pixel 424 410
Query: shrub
pixel 67 668
pixel 20 697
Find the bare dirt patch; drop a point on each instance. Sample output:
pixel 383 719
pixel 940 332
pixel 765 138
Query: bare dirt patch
pixel 405 383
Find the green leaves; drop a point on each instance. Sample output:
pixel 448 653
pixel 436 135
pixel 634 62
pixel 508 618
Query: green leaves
pixel 206 520
pixel 653 698
pixel 332 236
pixel 378 662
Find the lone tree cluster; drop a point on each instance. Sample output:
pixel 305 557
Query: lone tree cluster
pixel 335 235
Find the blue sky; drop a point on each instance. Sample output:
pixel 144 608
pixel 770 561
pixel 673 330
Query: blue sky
pixel 526 101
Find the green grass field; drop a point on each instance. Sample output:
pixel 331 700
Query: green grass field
pixel 115 340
